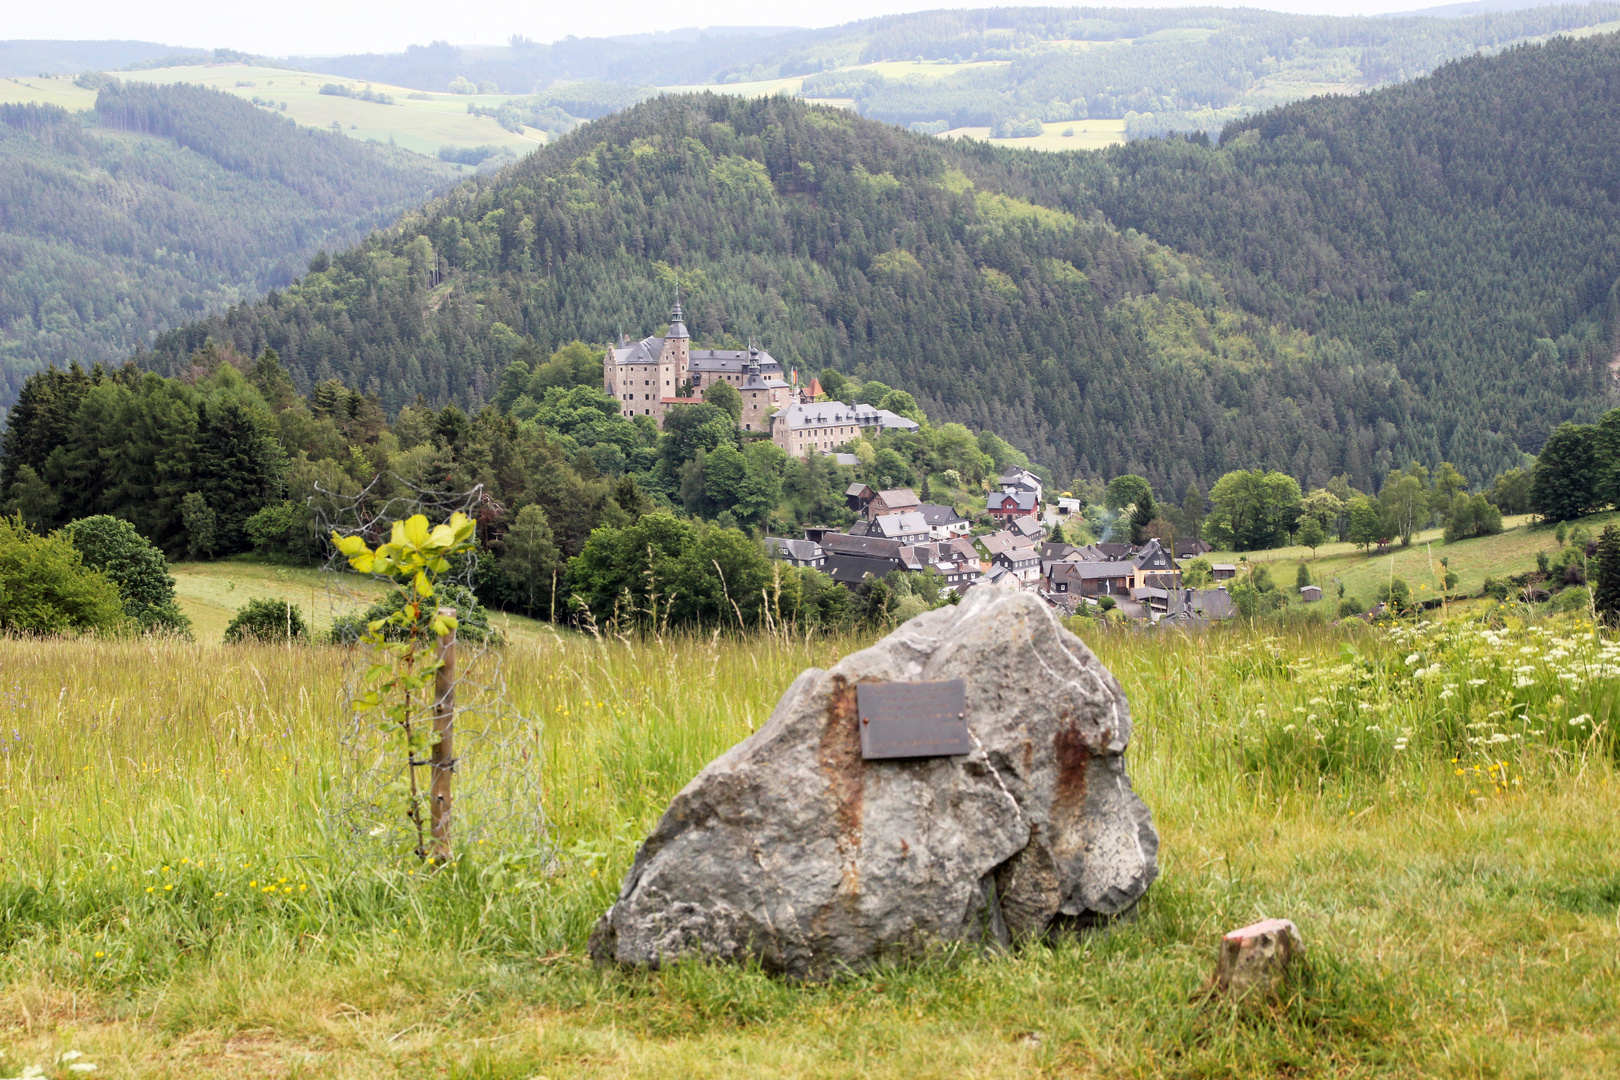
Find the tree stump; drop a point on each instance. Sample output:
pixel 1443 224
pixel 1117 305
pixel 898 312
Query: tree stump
pixel 1256 958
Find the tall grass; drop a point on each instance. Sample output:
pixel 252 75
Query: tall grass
pixel 167 859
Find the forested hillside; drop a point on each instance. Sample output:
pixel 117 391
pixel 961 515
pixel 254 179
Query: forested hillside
pixel 1459 228
pixel 836 241
pixel 1429 280
pixel 163 204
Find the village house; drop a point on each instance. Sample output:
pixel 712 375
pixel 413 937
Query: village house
pixel 908 527
pixel 1200 605
pixel 1023 561
pixel 1189 547
pixel 870 504
pixel 1027 528
pixel 796 552
pixel 1224 571
pixel 943 521
pixel 1153 562
pixel 651 376
pixel 1005 506
pixel 1017 480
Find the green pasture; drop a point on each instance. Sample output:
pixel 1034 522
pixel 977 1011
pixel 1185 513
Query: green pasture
pixel 1088 135
pixel 1435 805
pixel 418 125
pixel 1513 551
pixel 211 593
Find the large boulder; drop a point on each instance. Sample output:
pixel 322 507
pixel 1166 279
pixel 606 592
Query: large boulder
pixel 792 850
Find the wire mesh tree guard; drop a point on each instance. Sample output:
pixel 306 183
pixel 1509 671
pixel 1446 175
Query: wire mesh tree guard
pixel 465 774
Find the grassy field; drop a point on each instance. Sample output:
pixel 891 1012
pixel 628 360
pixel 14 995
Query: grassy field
pixel 1088 135
pixel 422 126
pixel 211 593
pixel 1513 551
pixel 1436 806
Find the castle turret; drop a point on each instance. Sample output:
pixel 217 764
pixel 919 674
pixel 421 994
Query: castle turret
pixel 675 360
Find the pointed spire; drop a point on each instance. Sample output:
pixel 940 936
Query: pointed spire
pixel 677 327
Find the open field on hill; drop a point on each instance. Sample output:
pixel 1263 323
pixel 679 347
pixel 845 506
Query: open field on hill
pixel 1513 551
pixel 422 126
pixel 210 594
pixel 1088 135
pixel 174 904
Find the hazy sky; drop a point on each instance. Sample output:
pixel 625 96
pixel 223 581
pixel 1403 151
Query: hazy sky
pixel 283 27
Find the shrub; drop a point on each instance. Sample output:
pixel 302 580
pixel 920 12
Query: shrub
pixel 472 618
pixel 266 620
pixel 45 588
pixel 1350 608
pixel 133 564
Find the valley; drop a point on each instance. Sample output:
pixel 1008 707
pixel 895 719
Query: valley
pixel 864 551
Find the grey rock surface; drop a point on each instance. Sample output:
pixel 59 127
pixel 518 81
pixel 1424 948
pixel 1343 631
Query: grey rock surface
pixel 792 850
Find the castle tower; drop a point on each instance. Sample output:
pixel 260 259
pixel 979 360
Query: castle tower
pixel 675 360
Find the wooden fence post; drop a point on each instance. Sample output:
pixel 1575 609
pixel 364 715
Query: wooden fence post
pixel 443 760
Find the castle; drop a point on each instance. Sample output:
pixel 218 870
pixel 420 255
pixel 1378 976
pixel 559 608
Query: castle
pixel 656 374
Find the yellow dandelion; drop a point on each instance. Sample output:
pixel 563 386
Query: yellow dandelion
pixel 149 888
pixel 253 884
pixel 218 895
pixel 165 869
pixel 168 888
pixel 303 888
pixel 99 955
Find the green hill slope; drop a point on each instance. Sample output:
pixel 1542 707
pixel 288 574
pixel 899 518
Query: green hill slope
pixel 165 203
pixel 837 241
pixel 1419 273
pixel 1458 230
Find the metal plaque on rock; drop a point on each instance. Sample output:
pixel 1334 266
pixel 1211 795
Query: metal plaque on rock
pixel 911 720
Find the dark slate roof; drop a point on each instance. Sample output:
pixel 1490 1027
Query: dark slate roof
pixel 1202 604
pixel 935 514
pixel 797 550
pixel 1023 500
pixel 851 568
pixel 1153 551
pixel 846 544
pixel 1116 551
pixel 1028 526
pixel 910 523
pixel 1097 571
pixel 998 542
pixel 894 498
pixel 1190 548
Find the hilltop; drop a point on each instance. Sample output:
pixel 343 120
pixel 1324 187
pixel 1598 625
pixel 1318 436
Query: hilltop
pixel 1026 73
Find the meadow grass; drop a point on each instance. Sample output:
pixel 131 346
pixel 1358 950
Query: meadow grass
pixel 419 125
pixel 211 593
pixel 171 899
pixel 1512 551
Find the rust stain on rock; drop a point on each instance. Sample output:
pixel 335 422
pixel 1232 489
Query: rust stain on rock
pixel 841 763
pixel 1073 757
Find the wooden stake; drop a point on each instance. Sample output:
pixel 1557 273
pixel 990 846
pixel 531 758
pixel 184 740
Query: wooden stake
pixel 443 760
